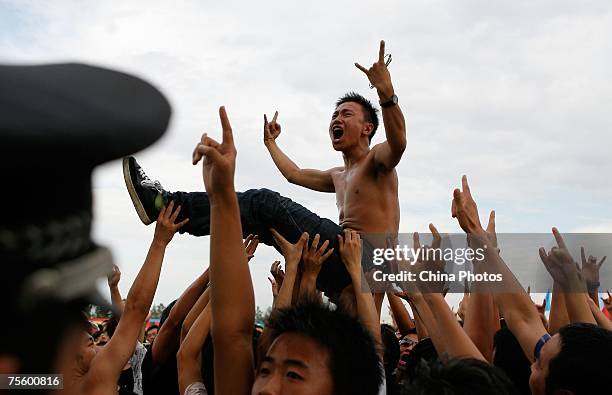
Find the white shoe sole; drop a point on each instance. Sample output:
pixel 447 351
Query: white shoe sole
pixel 140 210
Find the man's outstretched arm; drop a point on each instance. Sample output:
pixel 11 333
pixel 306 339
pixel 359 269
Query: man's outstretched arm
pixel 231 294
pixel 108 363
pixel 389 153
pixel 318 180
pixel 514 304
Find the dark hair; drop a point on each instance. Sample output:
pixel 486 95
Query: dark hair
pixel 111 325
pixel 97 335
pixel 457 376
pixel 423 350
pixel 510 358
pixel 392 348
pixel 151 328
pixel 370 113
pixel 166 312
pixel 582 363
pixel 353 361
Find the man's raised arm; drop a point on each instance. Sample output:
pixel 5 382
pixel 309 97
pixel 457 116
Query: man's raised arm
pixel 318 180
pixel 231 294
pixel 514 304
pixel 110 360
pixel 389 153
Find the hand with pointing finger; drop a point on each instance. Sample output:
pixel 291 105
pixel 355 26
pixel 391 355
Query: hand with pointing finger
pixel 465 210
pixel 561 266
pixel 272 129
pixel 219 159
pixel 379 75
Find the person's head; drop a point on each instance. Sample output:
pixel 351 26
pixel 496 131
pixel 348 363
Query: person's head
pixel 100 338
pixel 353 122
pixel 407 343
pixel 509 357
pixel 151 333
pixel 111 326
pixel 317 351
pixel 423 350
pixel 574 361
pixel 457 376
pixel 166 312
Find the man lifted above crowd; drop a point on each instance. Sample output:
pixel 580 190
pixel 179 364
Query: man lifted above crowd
pixel 366 186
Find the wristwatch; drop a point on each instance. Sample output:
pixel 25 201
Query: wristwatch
pixel 390 103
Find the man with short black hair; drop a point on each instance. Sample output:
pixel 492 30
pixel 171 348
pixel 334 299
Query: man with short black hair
pixel 151 333
pixel 574 361
pixel 458 376
pixel 318 351
pixel 366 186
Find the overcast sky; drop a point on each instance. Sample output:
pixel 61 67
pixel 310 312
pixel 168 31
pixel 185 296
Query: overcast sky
pixel 514 94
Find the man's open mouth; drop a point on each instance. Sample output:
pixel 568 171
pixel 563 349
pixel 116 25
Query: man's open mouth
pixel 337 132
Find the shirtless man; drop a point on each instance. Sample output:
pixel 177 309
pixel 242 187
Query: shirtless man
pixel 366 186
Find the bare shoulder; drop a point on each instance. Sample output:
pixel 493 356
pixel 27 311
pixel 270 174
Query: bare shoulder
pixel 336 171
pixel 375 152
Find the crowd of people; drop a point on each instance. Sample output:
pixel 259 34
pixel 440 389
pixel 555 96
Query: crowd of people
pixel 324 333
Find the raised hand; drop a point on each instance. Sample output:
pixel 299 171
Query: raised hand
pixel 491 230
pixel 165 227
pixel 271 129
pixel 465 210
pixel 291 252
pixel 274 286
pixel 379 75
pixel 428 260
pixel 590 269
pixel 219 159
pixel 250 245
pixel 561 265
pixel 277 273
pixel 463 304
pixel 437 239
pixel 114 276
pixel 541 307
pixel 406 295
pixel 350 252
pixel 314 256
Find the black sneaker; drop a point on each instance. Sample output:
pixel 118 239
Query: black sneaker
pixel 143 191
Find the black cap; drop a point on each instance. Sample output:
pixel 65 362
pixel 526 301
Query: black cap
pixel 57 123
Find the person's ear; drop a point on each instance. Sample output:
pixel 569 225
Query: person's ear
pixel 368 129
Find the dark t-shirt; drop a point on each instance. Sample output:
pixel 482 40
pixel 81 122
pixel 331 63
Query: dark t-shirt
pixel 161 380
pixel 126 382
